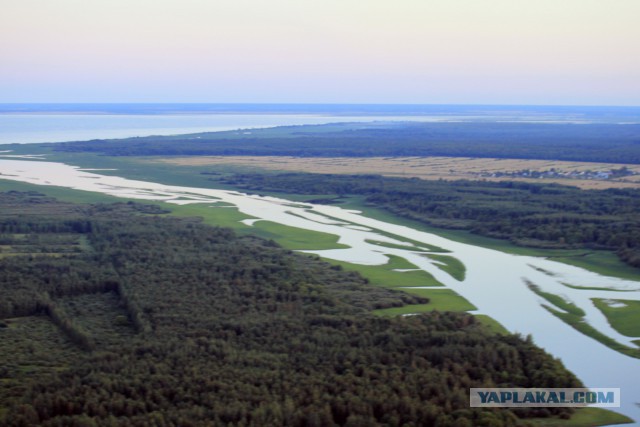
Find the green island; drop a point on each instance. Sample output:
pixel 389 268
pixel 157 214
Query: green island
pixel 622 313
pixel 557 300
pixel 449 264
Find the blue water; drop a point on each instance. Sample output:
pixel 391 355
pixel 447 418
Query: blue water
pixel 36 123
pixel 35 127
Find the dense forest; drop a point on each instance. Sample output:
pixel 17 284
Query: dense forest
pixel 534 215
pixel 119 315
pixel 585 142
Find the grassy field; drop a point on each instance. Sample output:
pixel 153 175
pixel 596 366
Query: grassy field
pixel 440 299
pixel 384 276
pixel 296 238
pixel 453 266
pixel 430 168
pixel 623 315
pixel 584 417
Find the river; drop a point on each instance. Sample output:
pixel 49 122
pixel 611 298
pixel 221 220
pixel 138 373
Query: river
pixel 494 282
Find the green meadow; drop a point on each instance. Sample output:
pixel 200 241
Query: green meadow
pixel 385 276
pixel 439 299
pixel 453 266
pixel 582 417
pixel 296 238
pixel 623 315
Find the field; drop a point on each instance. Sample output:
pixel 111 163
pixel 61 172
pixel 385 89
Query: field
pixel 385 276
pixel 624 315
pixel 439 299
pixel 431 168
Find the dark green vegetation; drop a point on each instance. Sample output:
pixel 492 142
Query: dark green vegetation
pixel 533 215
pixel 148 320
pixel 585 142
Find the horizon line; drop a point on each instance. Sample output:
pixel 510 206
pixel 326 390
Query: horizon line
pixel 6 107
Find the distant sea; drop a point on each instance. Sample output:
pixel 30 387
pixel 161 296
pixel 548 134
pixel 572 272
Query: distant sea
pixel 37 123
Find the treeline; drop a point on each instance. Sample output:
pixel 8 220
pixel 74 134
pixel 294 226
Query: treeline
pixel 584 142
pixel 237 331
pixel 535 215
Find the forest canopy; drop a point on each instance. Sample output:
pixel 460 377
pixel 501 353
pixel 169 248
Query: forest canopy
pixel 117 315
pixel 610 143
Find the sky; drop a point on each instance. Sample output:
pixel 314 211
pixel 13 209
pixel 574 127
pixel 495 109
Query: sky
pixel 548 52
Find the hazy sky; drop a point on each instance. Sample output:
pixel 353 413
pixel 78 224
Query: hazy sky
pixel 342 51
